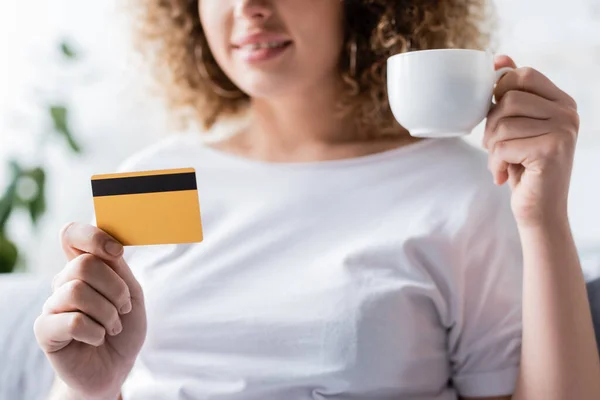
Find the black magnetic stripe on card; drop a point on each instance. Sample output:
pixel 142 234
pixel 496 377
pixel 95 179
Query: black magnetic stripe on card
pixel 144 184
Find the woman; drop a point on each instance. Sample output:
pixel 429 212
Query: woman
pixel 342 259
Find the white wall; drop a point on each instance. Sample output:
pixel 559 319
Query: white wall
pixel 113 116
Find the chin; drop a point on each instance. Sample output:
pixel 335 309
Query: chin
pixel 268 87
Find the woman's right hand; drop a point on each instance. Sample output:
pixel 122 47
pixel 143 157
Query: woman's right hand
pixel 94 324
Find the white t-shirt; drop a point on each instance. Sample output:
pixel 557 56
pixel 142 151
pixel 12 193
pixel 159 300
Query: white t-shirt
pixel 392 276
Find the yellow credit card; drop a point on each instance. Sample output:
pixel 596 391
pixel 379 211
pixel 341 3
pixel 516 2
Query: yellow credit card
pixel 149 207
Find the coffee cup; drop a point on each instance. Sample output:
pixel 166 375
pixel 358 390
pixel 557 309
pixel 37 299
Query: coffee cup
pixel 441 93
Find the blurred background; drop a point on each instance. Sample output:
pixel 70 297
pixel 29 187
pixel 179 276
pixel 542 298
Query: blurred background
pixel 74 102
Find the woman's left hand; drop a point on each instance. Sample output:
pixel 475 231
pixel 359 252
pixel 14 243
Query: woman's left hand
pixel 531 135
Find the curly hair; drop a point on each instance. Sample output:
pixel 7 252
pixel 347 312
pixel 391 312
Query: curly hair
pixel 170 33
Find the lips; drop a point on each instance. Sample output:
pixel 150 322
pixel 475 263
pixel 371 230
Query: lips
pixel 264 45
pixel 261 46
pixel 261 37
pixel 254 55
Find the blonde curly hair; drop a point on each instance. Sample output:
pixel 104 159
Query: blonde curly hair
pixel 170 34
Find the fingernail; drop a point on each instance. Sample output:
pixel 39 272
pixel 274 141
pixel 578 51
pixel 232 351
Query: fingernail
pixel 113 248
pixel 118 328
pixel 126 309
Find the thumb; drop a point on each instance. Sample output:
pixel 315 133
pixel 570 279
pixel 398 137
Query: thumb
pixel 501 61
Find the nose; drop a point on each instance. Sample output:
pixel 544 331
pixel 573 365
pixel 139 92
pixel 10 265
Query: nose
pixel 256 10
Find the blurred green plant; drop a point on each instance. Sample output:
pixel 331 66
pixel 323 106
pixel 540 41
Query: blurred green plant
pixel 27 186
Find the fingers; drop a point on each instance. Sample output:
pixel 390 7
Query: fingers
pixel 515 172
pixel 534 153
pixel 123 270
pixel 54 332
pixel 524 142
pixel 514 128
pixel 522 115
pixel 530 80
pixel 79 238
pixel 521 104
pixel 93 271
pixel 499 169
pixel 532 128
pixel 78 296
pixel 507 153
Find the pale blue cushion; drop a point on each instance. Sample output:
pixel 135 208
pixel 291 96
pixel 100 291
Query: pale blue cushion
pixel 594 296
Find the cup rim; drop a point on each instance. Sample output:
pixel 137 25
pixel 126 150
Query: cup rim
pixel 416 52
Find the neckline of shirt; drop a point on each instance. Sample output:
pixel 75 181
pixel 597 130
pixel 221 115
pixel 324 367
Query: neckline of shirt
pixel 369 159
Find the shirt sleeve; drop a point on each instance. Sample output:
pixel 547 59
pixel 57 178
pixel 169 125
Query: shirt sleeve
pixel 485 337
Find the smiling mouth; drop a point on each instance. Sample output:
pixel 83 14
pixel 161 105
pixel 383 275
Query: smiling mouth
pixel 260 52
pixel 264 45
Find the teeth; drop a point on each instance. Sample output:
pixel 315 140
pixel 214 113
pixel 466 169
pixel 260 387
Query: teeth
pixel 266 45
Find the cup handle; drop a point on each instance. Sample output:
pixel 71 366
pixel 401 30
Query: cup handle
pixel 502 71
pixel 499 74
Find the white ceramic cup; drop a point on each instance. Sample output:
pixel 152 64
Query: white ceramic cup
pixel 441 93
